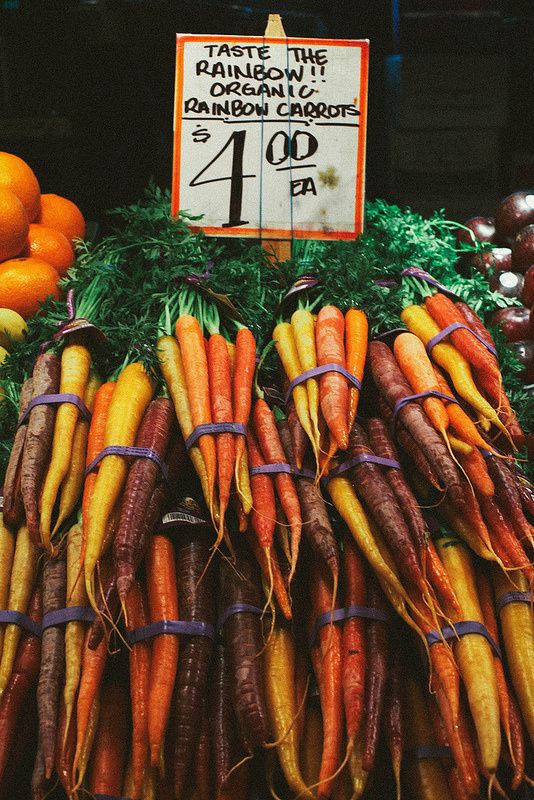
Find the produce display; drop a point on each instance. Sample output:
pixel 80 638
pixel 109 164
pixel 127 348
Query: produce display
pixel 506 258
pixel 267 528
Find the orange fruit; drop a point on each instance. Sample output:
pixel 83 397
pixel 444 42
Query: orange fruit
pixel 62 214
pixel 25 283
pixel 50 245
pixel 16 175
pixel 13 224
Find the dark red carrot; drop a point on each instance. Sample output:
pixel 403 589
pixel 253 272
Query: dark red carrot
pixel 52 659
pixel 38 784
pixel 526 493
pixel 377 647
pixel 353 642
pixel 24 676
pixel 273 452
pixel 409 445
pixel 227 750
pixel 376 492
pixel 393 385
pixel 132 556
pixel 382 445
pixel 38 439
pixel 154 433
pixel 196 603
pixel 299 437
pixel 13 507
pixel 393 717
pixel 474 321
pixel 317 526
pixel 458 788
pixel 137 617
pixel 111 742
pixel 243 643
pixel 203 760
pixel 220 382
pixel 508 495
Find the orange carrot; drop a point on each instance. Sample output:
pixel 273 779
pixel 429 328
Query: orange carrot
pixel 137 617
pixel 220 384
pixel 356 336
pixel 271 446
pixel 93 663
pixel 333 387
pixel 413 360
pixel 191 341
pixel 476 470
pixel 327 663
pixel 109 753
pixel 163 604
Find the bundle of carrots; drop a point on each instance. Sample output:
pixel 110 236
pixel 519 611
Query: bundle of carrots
pixel 267 638
pixel 323 357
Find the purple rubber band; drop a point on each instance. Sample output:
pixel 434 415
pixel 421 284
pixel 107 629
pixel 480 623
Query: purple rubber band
pixel 462 629
pixel 22 620
pixel 313 373
pixel 174 626
pixel 362 458
pixel 214 427
pixel 54 400
pixel 431 751
pixel 412 397
pixel 273 469
pixel 237 608
pixel 135 452
pixel 340 614
pixel 455 326
pixel 513 597
pixel 300 285
pixel 414 272
pixel 70 614
pixel 486 453
pixel 72 324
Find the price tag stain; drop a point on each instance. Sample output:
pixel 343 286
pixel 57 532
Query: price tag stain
pixel 329 178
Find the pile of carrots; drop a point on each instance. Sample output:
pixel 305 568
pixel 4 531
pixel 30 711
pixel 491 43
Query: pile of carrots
pixel 337 597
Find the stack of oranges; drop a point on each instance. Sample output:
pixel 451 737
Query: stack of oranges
pixel 37 232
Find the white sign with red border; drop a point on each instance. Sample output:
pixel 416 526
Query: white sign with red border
pixel 269 135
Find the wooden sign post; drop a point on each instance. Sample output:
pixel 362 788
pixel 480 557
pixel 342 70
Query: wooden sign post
pixel 269 136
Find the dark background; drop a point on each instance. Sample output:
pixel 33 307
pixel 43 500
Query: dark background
pixel 86 91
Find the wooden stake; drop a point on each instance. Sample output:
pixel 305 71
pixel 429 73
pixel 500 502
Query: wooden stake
pixel 277 249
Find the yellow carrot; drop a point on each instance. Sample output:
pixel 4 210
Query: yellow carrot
pixel 72 486
pixel 75 365
pixel 279 674
pixel 419 321
pixel 460 447
pixel 172 368
pixel 517 622
pixel 7 551
pixel 23 576
pixel 286 347
pixel 311 746
pixel 74 631
pixel 132 395
pixel 303 325
pixel 473 653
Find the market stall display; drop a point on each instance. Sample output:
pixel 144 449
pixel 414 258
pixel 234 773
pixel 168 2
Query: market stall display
pixel 357 527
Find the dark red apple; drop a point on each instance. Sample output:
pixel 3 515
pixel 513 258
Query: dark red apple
pixel 527 295
pixel 482 227
pixel 524 351
pixel 514 322
pixel 514 212
pixel 497 260
pixel 523 249
pixel 509 284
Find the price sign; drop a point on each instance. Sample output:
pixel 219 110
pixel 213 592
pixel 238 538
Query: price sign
pixel 269 135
